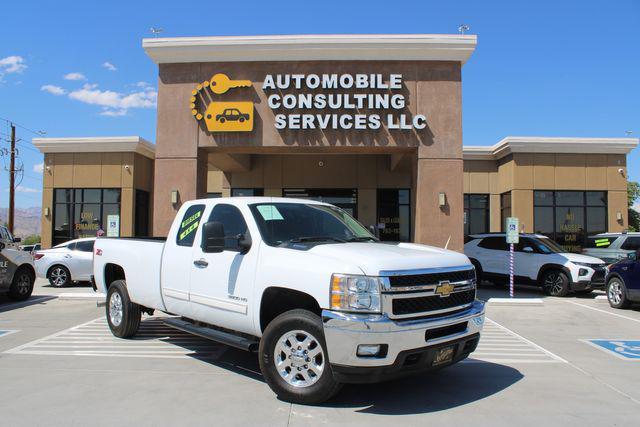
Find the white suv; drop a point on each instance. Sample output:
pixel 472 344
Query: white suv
pixel 537 260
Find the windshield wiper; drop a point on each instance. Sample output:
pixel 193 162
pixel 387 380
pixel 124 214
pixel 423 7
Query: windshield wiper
pixel 362 239
pixel 312 239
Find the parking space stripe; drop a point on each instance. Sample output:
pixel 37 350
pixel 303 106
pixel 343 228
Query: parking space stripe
pixel 604 311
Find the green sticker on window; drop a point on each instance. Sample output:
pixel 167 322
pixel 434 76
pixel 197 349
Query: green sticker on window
pixel 189 225
pixel 269 213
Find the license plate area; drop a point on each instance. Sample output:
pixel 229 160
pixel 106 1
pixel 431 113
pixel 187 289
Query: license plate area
pixel 443 355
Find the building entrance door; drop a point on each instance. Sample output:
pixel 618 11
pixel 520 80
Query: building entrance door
pixel 345 198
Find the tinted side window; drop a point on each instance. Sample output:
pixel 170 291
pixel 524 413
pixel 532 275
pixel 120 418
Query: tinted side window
pixel 524 243
pixel 494 243
pixel 4 235
pixel 189 225
pixel 631 244
pixel 71 246
pixel 232 221
pixel 85 246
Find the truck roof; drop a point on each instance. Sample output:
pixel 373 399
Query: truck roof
pixel 263 199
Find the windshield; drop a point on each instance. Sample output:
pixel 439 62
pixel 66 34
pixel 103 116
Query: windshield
pixel 285 223
pixel 548 246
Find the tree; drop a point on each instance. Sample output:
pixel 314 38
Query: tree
pixel 31 240
pixel 633 194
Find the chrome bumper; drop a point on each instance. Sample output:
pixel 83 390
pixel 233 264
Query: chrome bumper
pixel 345 331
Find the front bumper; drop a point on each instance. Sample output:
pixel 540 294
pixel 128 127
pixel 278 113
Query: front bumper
pixel 345 331
pixel 595 279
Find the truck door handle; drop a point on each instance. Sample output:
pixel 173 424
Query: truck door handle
pixel 200 263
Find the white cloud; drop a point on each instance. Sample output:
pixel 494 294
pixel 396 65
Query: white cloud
pixel 109 66
pixel 74 76
pixel 143 84
pixel 115 103
pixel 38 168
pixel 54 90
pixel 12 64
pixel 23 189
pixel 637 206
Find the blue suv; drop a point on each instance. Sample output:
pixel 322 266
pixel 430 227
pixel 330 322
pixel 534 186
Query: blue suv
pixel 623 281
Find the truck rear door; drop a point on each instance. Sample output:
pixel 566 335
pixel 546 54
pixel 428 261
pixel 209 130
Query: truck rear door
pixel 222 283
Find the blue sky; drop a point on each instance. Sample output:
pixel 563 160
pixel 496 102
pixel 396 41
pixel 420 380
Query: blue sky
pixel 543 68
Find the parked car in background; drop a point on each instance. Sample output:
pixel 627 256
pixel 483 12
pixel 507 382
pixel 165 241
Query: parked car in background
pixel 623 281
pixel 612 247
pixel 66 263
pixel 538 260
pixel 31 248
pixel 17 274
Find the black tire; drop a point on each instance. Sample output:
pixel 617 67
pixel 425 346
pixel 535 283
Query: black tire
pixel 325 386
pixel 479 274
pixel 222 120
pixel 59 276
pixel 22 285
pixel 241 120
pixel 555 283
pixel 617 297
pixel 127 323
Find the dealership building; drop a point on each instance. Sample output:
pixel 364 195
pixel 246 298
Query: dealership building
pixel 370 123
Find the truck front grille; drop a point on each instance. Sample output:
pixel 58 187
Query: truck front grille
pixel 404 306
pixel 414 280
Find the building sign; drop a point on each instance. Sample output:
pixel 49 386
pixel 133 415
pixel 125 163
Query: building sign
pixel 310 101
pixel 513 235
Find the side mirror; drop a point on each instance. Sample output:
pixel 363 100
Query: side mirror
pixel 212 237
pixel 527 249
pixel 17 240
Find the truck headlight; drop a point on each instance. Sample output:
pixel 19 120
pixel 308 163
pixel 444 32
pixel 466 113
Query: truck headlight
pixel 355 293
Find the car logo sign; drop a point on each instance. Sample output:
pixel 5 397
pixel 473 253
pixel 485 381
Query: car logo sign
pixel 444 289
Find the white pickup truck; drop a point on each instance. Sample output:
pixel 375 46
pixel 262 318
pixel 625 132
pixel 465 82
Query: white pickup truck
pixel 303 283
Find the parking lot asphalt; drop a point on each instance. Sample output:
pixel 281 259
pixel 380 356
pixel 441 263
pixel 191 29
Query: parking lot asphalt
pixel 59 365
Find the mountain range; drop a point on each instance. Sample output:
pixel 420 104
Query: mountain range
pixel 27 221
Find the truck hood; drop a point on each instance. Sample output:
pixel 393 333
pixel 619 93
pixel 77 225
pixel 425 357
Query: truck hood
pixel 582 258
pixel 372 258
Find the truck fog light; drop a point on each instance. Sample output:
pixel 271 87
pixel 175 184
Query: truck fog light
pixel 368 350
pixel 583 272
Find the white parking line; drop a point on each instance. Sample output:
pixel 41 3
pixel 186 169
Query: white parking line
pixel 605 311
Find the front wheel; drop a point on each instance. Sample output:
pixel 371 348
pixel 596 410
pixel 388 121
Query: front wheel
pixel 556 283
pixel 293 358
pixel 617 293
pixel 123 315
pixel 22 285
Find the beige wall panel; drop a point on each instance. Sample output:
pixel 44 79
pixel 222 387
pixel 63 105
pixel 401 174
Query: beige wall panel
pixel 214 181
pixel 570 172
pixel 250 179
pixel 367 171
pixel 400 178
pixel 465 182
pixel 126 212
pixel 273 192
pixel 596 178
pixel 479 182
pixel 367 206
pixel 272 171
pixel 128 174
pixel 434 225
pixel 505 174
pixel 46 221
pixel 523 171
pixel 111 169
pixel 615 179
pixel 63 170
pixel 143 173
pixel 544 171
pixel 86 170
pixel 47 175
pixel 494 213
pixel 617 202
pixel 522 208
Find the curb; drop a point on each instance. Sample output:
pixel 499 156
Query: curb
pixel 81 296
pixel 516 301
pixel 601 299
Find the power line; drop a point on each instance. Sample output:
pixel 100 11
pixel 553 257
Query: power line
pixel 35 132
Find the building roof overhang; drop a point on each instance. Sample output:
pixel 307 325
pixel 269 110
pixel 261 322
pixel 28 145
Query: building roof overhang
pixel 531 144
pixel 348 47
pixel 117 144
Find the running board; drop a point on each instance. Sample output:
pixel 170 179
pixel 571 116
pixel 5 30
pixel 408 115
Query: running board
pixel 222 337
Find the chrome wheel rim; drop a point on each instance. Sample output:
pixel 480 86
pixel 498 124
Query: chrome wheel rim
pixel 299 358
pixel 554 283
pixel 615 292
pixel 24 283
pixel 115 309
pixel 58 276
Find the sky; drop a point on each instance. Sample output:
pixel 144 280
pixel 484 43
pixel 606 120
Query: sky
pixel 543 68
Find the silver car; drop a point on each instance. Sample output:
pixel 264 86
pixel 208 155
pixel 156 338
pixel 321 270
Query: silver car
pixel 612 247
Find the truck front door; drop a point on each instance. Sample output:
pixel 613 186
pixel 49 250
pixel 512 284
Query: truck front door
pixel 222 283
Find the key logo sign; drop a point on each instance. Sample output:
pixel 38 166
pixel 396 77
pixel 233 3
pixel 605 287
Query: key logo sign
pixel 219 116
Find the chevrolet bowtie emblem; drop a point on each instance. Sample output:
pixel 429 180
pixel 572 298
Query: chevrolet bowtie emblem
pixel 444 289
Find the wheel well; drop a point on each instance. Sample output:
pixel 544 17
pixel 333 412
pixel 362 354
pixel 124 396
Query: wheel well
pixel 112 272
pixel 548 267
pixel 614 275
pixel 276 301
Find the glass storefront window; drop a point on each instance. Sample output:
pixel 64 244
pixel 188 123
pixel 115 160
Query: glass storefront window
pixel 247 192
pixel 82 212
pixel 569 217
pixel 476 213
pixel 505 209
pixel 394 215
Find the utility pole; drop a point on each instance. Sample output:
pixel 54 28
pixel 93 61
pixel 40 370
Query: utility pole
pixel 12 178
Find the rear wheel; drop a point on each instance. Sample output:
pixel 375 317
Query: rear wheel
pixel 123 315
pixel 293 358
pixel 22 285
pixel 59 276
pixel 617 293
pixel 555 283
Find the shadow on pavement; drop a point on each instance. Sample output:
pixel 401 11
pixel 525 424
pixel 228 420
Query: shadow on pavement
pixel 7 304
pixel 455 386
